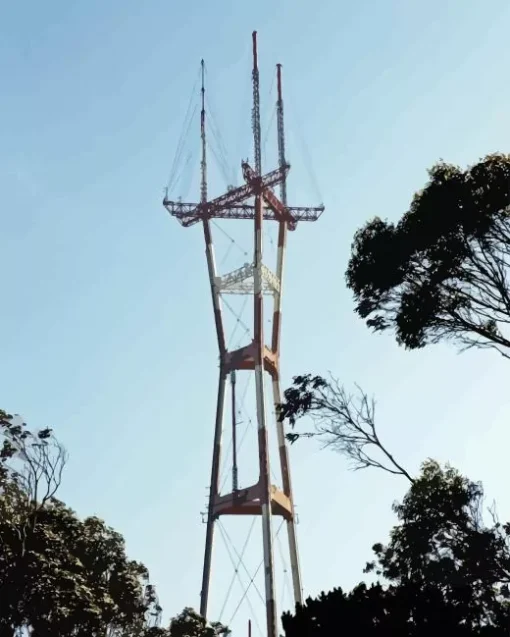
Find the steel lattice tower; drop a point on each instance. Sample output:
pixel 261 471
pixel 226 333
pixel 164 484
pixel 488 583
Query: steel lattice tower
pixel 261 499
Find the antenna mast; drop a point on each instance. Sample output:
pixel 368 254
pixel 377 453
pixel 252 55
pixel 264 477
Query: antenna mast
pixel 255 116
pixel 281 133
pixel 259 352
pixel 203 162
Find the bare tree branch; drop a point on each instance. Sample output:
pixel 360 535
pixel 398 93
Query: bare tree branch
pixel 31 467
pixel 343 421
pixel 37 464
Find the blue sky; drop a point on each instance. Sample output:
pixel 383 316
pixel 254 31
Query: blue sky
pixel 107 332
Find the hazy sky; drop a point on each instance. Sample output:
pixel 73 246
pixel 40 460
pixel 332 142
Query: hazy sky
pixel 106 331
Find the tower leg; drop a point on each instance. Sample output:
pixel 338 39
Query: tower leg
pixel 264 481
pixel 287 489
pixel 265 496
pixel 214 491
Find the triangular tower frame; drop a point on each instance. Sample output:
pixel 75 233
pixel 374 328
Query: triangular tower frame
pixel 256 279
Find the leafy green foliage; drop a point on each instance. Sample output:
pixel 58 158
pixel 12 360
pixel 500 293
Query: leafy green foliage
pixel 443 570
pixel 68 576
pixel 190 624
pixel 59 575
pixel 441 272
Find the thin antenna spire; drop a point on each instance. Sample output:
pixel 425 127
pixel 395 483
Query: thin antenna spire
pixel 255 117
pixel 281 134
pixel 203 163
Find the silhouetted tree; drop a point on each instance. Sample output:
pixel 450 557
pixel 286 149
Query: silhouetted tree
pixel 190 624
pixel 343 421
pixel 62 576
pixel 59 575
pixel 443 570
pixel 441 272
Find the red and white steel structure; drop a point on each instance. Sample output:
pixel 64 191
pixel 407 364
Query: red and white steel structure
pixel 261 499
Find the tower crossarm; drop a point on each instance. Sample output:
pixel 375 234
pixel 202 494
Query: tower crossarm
pixel 241 193
pixel 305 213
pixel 271 200
pixel 258 184
pixel 187 216
pixel 230 199
pixel 197 212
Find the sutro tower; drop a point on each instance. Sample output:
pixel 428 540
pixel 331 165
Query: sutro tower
pixel 257 201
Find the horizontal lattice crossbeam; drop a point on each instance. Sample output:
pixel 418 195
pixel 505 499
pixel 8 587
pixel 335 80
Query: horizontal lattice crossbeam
pixel 241 281
pixel 230 205
pixel 187 214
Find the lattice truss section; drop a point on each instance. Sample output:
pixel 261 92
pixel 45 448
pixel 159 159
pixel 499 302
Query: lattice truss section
pixel 241 281
pixel 232 204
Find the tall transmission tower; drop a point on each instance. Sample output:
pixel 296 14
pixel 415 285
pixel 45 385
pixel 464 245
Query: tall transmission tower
pixel 254 200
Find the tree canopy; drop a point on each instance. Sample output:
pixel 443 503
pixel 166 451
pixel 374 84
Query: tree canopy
pixel 441 272
pixel 443 570
pixel 59 574
pixel 190 624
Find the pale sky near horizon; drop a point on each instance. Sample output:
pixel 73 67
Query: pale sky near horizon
pixel 106 331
